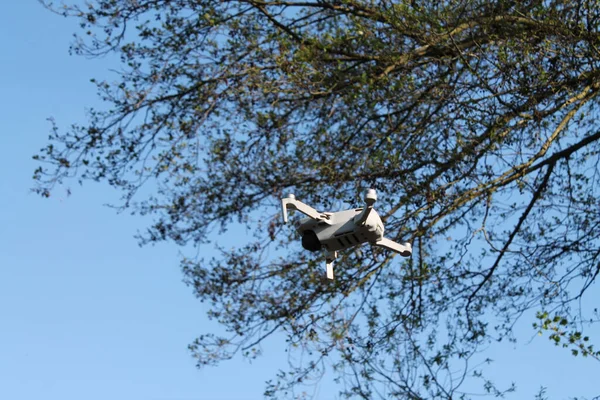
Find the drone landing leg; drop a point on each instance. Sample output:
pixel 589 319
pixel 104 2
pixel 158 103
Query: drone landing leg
pixel 330 270
pixel 329 258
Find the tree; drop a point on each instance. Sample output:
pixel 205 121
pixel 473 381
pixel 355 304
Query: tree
pixel 474 120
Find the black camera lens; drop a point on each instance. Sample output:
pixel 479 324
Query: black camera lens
pixel 310 241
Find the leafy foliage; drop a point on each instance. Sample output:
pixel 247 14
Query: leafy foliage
pixel 574 339
pixel 476 121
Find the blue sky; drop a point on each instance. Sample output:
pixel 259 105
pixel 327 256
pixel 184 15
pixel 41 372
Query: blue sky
pixel 87 314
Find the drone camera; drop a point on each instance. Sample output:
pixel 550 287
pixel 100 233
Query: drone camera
pixel 310 241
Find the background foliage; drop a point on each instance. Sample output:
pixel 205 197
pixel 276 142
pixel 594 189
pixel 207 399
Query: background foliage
pixel 474 120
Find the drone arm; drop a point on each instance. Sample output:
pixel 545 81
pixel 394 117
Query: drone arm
pixel 370 199
pixel 291 203
pixel 405 250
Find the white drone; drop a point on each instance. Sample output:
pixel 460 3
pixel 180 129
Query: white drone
pixel 341 230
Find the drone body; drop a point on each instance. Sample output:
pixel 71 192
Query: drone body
pixel 341 230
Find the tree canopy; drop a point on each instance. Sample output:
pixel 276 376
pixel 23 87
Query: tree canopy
pixel 476 121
